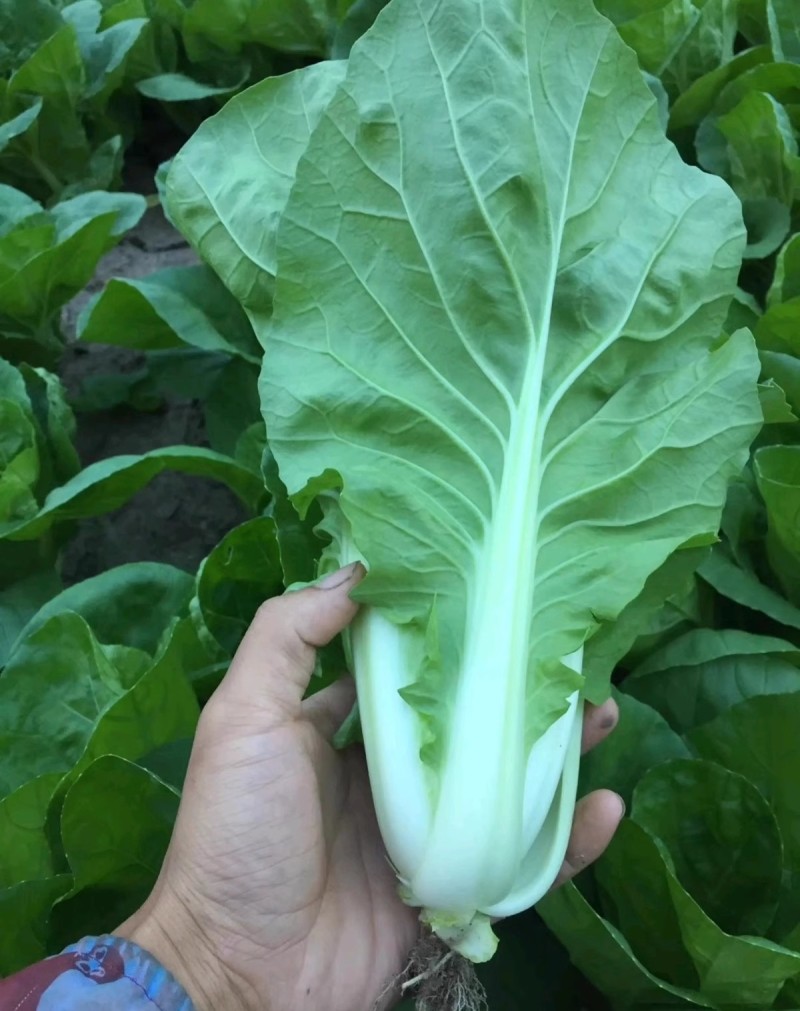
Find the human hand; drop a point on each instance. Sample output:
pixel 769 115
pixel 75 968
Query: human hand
pixel 275 892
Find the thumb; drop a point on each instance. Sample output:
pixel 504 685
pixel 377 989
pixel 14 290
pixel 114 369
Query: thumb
pixel 275 660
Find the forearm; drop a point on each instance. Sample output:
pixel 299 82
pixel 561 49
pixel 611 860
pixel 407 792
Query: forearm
pixel 105 973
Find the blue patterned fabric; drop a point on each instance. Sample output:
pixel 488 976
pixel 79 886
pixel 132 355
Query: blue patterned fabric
pixel 97 974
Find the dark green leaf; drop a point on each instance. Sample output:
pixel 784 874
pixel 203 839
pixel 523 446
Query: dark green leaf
pixel 18 604
pixel 132 605
pixel 732 971
pixel 697 101
pixel 24 919
pixel 642 739
pixel 174 307
pixel 359 18
pixel 777 470
pixel 759 739
pixel 731 581
pixel 722 838
pixel 302 26
pixel 705 672
pixel 116 823
pixel 181 88
pixel 635 895
pixel 241 573
pixel 784 30
pixel 774 404
pixel 57 686
pixel 108 484
pixel 659 606
pixel 24 849
pixel 601 951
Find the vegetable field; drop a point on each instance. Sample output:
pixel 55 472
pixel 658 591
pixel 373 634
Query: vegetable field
pixel 501 298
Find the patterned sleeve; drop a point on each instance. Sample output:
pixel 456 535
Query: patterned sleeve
pixel 97 974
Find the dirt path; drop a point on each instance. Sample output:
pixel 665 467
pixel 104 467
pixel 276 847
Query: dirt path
pixel 177 519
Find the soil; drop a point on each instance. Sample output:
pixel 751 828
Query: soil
pixel 177 518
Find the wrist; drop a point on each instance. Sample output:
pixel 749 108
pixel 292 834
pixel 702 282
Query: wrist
pixel 172 937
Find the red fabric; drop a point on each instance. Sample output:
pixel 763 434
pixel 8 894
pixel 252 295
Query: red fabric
pixel 23 991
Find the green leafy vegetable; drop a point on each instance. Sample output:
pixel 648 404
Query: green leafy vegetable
pixel 454 415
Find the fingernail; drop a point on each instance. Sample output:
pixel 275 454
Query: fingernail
pixel 338 578
pixel 608 721
pixel 623 806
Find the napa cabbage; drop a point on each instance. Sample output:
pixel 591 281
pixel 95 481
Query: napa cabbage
pixel 492 314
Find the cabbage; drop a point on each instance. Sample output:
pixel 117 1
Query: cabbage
pixel 496 359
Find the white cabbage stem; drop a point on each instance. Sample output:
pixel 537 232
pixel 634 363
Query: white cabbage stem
pixel 477 841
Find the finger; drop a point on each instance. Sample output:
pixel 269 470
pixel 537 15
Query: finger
pixel 328 709
pixel 597 816
pixel 275 660
pixel 598 722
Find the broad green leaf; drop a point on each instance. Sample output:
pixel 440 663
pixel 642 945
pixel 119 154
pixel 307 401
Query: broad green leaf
pixel 468 434
pixel 759 739
pixel 642 740
pixel 228 417
pixel 359 17
pixel 24 921
pixel 19 601
pixel 24 849
pixel 699 99
pixel 640 904
pixel 159 707
pixel 105 53
pixel 299 544
pixel 23 28
pixel 116 824
pixel 744 587
pixel 784 30
pixel 174 307
pixel 705 672
pixel 774 404
pixel 176 87
pixel 783 369
pixel 199 656
pixel 55 72
pixel 57 685
pixel 678 40
pixel 744 312
pixel 301 26
pixel 169 762
pixel 241 573
pixel 781 80
pixel 776 331
pixel 777 470
pixel 655 31
pixel 658 606
pixel 17 207
pixel 786 280
pixel 707 46
pixel 55 428
pixel 234 226
pixel 131 605
pixel 19 463
pixel 733 971
pixel 707 644
pixel 19 124
pixel 603 954
pixel 45 264
pixel 759 151
pixel 722 838
pixel 743 523
pixel 106 485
